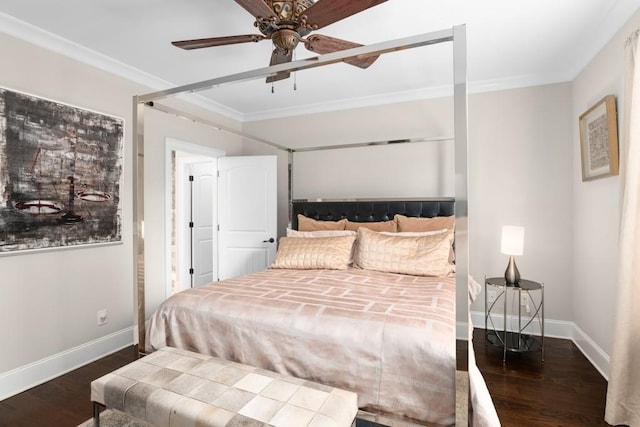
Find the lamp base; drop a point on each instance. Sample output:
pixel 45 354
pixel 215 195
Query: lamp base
pixel 511 274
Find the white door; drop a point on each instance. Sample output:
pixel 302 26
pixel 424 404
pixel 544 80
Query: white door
pixel 247 214
pixel 202 221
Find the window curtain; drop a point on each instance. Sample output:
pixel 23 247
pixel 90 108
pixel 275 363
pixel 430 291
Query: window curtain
pixel 623 393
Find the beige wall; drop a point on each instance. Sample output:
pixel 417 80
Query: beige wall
pixel 596 204
pixel 49 300
pixel 524 169
pixel 519 165
pixel 158 127
pixel 520 169
pixel 404 170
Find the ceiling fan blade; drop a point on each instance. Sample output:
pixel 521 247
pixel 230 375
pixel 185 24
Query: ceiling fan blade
pixel 325 44
pixel 258 8
pixel 217 41
pixel 280 56
pixel 325 12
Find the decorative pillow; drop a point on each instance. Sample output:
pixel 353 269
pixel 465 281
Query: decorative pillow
pixel 415 255
pixel 319 233
pixel 452 254
pixel 325 233
pixel 406 223
pixel 375 226
pixel 414 233
pixel 310 224
pixel 307 253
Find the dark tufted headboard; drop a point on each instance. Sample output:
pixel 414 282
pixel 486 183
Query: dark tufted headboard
pixel 370 211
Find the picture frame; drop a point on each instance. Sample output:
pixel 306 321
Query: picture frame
pixel 599 140
pixel 60 175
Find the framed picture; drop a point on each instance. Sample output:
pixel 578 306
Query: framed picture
pixel 60 175
pixel 599 140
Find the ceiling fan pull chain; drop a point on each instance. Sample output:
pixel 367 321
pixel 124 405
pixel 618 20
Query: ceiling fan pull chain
pixel 295 74
pixel 272 91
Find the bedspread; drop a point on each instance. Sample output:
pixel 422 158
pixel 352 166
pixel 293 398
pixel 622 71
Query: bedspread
pixel 388 337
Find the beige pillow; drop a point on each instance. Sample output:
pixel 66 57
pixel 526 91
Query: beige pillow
pixel 319 233
pixel 375 226
pixel 414 233
pixel 310 224
pixel 307 253
pixel 406 223
pixel 416 255
pixel 452 254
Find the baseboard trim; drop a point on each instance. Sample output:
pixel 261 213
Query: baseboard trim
pixel 36 373
pixel 28 376
pixel 598 357
pixel 553 329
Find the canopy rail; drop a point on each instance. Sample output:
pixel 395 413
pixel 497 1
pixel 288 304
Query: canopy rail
pixel 457 35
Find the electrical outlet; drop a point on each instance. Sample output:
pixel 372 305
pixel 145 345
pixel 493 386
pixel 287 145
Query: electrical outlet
pixel 491 296
pixel 524 299
pixel 102 317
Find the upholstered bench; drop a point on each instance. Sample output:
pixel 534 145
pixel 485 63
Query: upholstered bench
pixel 173 387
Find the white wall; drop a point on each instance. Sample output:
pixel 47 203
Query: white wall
pixel 597 203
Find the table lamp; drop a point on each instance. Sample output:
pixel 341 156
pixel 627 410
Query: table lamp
pixel 512 245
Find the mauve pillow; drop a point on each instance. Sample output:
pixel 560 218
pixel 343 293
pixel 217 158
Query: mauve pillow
pixel 310 224
pixel 319 233
pixel 406 223
pixel 375 226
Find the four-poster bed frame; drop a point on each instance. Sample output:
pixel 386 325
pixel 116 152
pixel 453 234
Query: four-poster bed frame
pixel 456 35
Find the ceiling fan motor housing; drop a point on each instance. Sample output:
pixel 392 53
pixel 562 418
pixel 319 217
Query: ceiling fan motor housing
pixel 289 27
pixel 289 10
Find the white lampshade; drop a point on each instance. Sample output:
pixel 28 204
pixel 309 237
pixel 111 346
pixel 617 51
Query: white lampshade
pixel 512 240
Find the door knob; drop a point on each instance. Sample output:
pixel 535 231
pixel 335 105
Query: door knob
pixel 271 240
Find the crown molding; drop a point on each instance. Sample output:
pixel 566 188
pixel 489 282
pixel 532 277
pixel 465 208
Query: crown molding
pixel 52 42
pixel 413 95
pixel 611 23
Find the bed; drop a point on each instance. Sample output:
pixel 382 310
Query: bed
pixel 383 331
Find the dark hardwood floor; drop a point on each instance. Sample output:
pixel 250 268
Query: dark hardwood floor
pixel 64 401
pixel 565 390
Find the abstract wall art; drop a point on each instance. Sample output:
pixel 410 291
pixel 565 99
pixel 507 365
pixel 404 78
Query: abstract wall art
pixel 60 174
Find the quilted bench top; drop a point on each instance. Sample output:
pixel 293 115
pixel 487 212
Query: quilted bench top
pixel 173 387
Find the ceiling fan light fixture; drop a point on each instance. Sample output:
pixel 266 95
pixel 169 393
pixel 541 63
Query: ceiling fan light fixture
pixel 286 39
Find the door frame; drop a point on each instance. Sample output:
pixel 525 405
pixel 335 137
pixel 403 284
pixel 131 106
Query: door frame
pixel 197 151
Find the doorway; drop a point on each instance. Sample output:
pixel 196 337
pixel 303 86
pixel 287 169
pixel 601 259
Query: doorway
pixel 203 242
pixel 191 215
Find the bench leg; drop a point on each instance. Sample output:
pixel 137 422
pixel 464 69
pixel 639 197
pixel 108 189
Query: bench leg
pixel 97 407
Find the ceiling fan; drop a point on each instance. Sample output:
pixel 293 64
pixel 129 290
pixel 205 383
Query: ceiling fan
pixel 287 22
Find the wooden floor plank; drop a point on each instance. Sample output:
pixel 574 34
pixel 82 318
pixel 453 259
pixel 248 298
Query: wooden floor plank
pixel 564 390
pixel 64 401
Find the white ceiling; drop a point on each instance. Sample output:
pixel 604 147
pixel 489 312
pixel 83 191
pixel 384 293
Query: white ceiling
pixel 510 44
